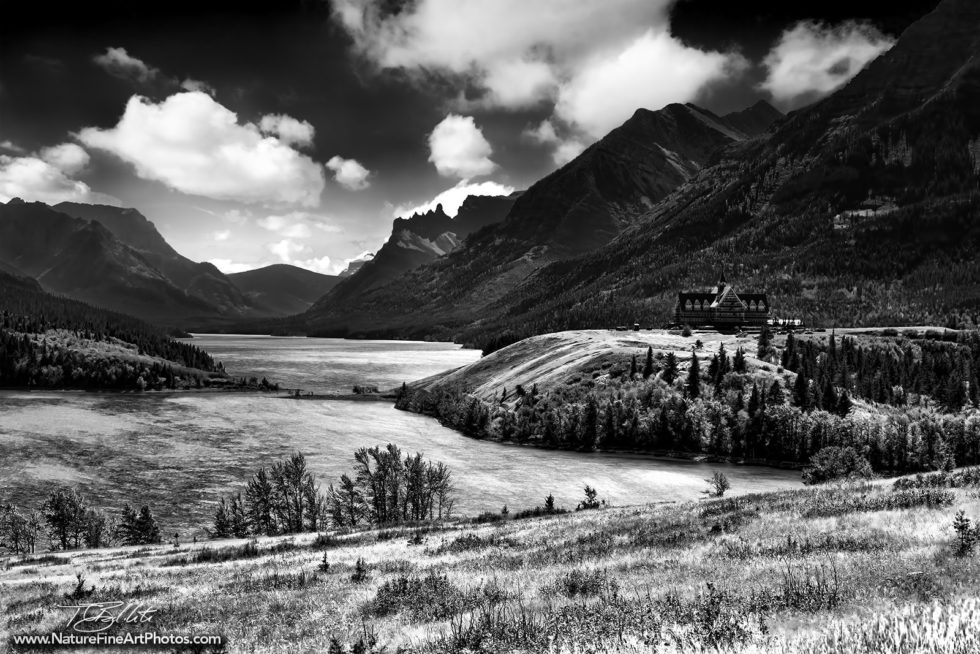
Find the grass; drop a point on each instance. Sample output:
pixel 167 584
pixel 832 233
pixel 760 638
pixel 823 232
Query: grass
pixel 852 568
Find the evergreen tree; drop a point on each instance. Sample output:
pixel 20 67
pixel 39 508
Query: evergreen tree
pixel 738 362
pixel 633 368
pixel 222 521
pixel 765 344
pixel 694 377
pixel 775 395
pixel 670 369
pixel 754 401
pixel 843 404
pixel 801 392
pixel 146 527
pixel 648 366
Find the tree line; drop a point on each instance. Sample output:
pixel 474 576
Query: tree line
pixel 70 522
pixel 723 409
pixel 385 487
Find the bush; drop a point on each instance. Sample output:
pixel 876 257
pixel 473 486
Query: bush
pixel 361 573
pixel 718 484
pixel 967 534
pixel 591 500
pixel 832 463
pixel 584 583
pixel 423 599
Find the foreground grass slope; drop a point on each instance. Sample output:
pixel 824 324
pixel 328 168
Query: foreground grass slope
pixel 852 568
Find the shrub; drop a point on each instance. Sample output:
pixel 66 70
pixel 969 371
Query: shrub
pixel 584 583
pixel 591 500
pixel 360 574
pixel 718 484
pixel 686 331
pixel 832 463
pixel 424 599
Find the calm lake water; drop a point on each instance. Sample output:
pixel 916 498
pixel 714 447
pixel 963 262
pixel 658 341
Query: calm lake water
pixel 180 452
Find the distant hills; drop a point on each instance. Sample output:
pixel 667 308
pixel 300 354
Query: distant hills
pixel 283 289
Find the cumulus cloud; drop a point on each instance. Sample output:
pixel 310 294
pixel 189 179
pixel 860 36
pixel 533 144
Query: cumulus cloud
pixel 564 149
pixel 195 145
pixel 558 52
pixel 47 176
pixel 118 63
pixel 288 129
pixel 652 71
pixel 458 148
pixel 452 198
pixel 349 173
pixel 811 60
pixel 11 146
pixel 299 254
pixel 67 157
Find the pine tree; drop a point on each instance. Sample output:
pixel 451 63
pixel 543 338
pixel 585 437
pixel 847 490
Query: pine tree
pixel 694 377
pixel 222 521
pixel 776 395
pixel 843 404
pixel 633 368
pixel 801 392
pixel 670 368
pixel 738 362
pixel 127 530
pixel 765 343
pixel 648 366
pixel 146 527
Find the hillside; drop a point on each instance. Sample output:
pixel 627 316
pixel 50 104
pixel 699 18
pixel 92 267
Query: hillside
pixel 199 280
pixel 848 212
pixel 861 568
pixel 580 207
pixel 53 342
pixel 282 289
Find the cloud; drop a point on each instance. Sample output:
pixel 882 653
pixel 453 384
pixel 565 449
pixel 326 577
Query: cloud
pixel 47 177
pixel 563 149
pixel 652 71
pixel 230 267
pixel 812 60
pixel 222 235
pixel 349 173
pixel 289 251
pixel 458 149
pixel 452 198
pixel 118 63
pixel 569 53
pixel 296 224
pixel 288 129
pixel 67 157
pixel 12 147
pixel 190 84
pixel 195 145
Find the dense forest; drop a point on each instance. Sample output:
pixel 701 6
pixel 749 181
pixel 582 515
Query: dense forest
pixel 906 404
pixel 53 342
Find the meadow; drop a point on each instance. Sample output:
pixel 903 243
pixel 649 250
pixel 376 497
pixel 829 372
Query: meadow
pixel 855 567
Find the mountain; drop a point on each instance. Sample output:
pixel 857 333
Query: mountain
pixel 580 207
pixel 282 288
pixel 862 209
pixel 84 260
pixel 419 239
pixel 201 281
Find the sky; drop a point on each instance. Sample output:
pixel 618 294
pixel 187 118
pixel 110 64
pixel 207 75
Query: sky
pixel 254 132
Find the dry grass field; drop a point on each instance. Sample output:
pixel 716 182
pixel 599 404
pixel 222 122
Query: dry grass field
pixel 860 568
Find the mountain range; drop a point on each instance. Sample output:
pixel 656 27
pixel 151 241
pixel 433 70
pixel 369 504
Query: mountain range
pixel 580 207
pixel 115 258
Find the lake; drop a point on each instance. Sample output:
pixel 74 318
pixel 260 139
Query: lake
pixel 180 452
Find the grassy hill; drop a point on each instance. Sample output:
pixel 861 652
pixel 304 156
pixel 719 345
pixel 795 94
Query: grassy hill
pixel 856 568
